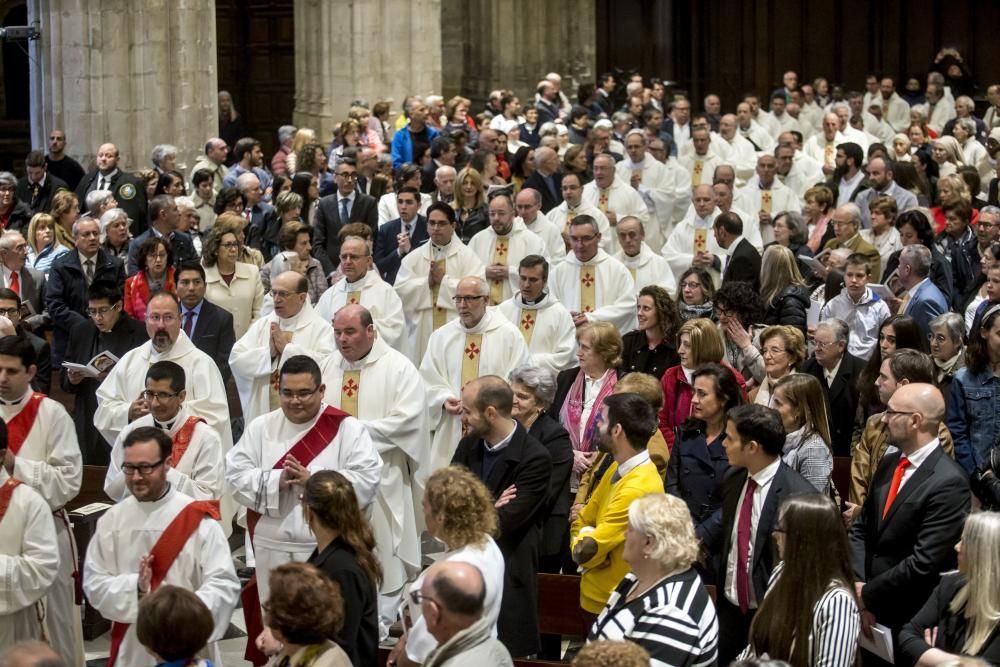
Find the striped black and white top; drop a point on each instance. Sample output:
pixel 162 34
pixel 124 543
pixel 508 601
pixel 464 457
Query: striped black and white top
pixel 835 627
pixel 674 621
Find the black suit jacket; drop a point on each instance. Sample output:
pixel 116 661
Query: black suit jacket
pixel 526 464
pixel 901 557
pixel 786 483
pixel 214 335
pixel 43 361
pixel 550 433
pixel 564 381
pixel 841 399
pixel 43 201
pixel 181 248
pixel 326 227
pixel 263 230
pixel 129 193
pixel 549 199
pixel 66 291
pixel 359 634
pixel 32 290
pixel 387 260
pixel 744 264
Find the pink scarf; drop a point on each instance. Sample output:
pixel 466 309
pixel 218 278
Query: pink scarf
pixel 572 410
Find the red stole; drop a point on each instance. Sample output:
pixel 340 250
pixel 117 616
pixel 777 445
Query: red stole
pixel 183 439
pixel 305 451
pixel 165 552
pixel 6 494
pixel 21 424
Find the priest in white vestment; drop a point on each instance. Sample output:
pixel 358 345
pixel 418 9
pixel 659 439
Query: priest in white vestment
pixel 751 130
pixel 480 342
pixel 428 276
pixel 645 266
pixel 765 197
pixel 529 211
pixel 591 283
pixel 613 196
pixel 196 457
pixel 43 453
pixel 383 389
pixel 665 187
pixel 822 146
pixel 742 154
pixel 574 204
pixel 265 475
pixel 680 251
pixel 120 397
pixel 545 324
pixel 502 245
pixel 700 164
pixel 118 569
pixel 895 110
pixel 362 283
pixel 293 328
pixel 28 563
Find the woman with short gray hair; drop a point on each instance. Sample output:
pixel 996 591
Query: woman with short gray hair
pixel 534 390
pixel 947 341
pixel 164 158
pixel 115 233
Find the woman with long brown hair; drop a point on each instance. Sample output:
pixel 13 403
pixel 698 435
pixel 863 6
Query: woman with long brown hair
pixel 809 615
pixel 345 552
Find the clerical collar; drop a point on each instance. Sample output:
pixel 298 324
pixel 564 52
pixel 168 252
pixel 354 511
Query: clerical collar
pixel 18 400
pixel 534 302
pixel 161 497
pixel 165 426
pixel 762 187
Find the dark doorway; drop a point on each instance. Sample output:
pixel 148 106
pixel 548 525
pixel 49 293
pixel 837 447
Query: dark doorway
pixel 15 132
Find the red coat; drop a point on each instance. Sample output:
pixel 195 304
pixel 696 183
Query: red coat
pixel 137 293
pixel 677 400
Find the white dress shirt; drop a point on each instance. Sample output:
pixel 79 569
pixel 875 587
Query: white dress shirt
pixel 763 478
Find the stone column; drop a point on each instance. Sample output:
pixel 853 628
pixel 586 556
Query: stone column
pixel 133 73
pixel 374 49
pixel 513 44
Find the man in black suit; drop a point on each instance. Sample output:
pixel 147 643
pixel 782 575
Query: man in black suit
pixel 515 467
pixel 398 237
pixel 906 532
pixel 37 187
pixel 443 153
pixel 128 191
pixel 546 180
pixel 208 326
pixel 163 216
pixel 605 89
pixel 741 261
pixel 838 372
pixel 758 483
pixel 106 329
pixel 28 283
pixel 262 232
pixel 70 275
pixel 334 211
pixel 10 307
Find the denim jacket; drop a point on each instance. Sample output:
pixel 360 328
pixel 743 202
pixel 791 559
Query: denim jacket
pixel 972 415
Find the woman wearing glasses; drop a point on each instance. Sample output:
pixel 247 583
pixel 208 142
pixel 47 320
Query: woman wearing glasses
pixel 231 284
pixel 156 274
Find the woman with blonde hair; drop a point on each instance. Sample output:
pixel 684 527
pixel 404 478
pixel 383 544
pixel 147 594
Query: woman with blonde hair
pixel 661 605
pixel 42 242
pixel 230 283
pixel 367 136
pixel 951 189
pixel 783 290
pixel 962 615
pixel 303 137
pixel 783 349
pixel 470 204
pixel 801 402
pixel 459 512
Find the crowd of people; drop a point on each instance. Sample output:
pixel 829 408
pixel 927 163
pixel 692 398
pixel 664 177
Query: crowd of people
pixel 442 354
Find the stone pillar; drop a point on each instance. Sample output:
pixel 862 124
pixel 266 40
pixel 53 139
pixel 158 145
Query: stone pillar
pixel 136 74
pixel 374 49
pixel 513 44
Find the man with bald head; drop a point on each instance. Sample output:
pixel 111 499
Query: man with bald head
pixel 368 379
pixel 646 266
pixel 765 196
pixel 547 179
pixel 742 153
pixel 692 242
pixel 293 328
pixel 664 186
pixel 452 599
pixel 613 196
pixel 906 531
pixel 214 162
pixel 126 188
pixel 482 341
pixel 444 184
pixel 528 205
pixel 511 464
pixel 822 146
pixel 700 163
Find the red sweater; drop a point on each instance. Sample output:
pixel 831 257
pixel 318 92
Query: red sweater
pixel 677 400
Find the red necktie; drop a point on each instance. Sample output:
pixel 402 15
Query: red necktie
pixel 15 283
pixel 897 480
pixel 188 320
pixel 743 526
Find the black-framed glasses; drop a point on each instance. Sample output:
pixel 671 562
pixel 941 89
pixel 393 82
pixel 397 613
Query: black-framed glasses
pixel 10 312
pixel 102 311
pixel 142 468
pixel 416 597
pixel 893 413
pixel 302 395
pixel 159 395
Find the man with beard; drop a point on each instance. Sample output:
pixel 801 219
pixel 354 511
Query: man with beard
pixel 597 536
pixel 516 468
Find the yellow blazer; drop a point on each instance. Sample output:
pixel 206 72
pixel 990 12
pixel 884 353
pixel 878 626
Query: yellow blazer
pixel 607 513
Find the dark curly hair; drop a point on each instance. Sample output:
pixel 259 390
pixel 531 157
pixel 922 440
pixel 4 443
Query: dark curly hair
pixel 667 317
pixel 305 607
pixel 149 247
pixel 741 299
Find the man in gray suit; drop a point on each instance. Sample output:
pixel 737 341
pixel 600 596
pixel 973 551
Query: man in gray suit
pixel 882 185
pixel 26 282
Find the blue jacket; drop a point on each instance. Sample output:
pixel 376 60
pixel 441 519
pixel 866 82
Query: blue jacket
pixel 402 145
pixel 927 303
pixel 973 406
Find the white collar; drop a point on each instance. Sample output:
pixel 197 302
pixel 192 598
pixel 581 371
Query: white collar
pixel 920 455
pixel 633 463
pixel 767 473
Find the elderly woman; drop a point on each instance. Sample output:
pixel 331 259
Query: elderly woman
pixel 534 390
pixel 295 242
pixel 580 391
pixel 883 234
pixel 98 202
pixel 791 231
pixel 695 293
pixel 115 236
pixel 738 309
pixel 947 339
pixel 231 284
pixel 650 348
pixel 783 349
pixel 42 242
pixel 156 273
pixel 14 214
pixel 948 155
pixel 164 158
pixel 458 511
pixel 801 402
pixel 661 548
pixel 900 148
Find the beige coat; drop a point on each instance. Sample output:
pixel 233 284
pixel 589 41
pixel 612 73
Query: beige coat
pixel 243 297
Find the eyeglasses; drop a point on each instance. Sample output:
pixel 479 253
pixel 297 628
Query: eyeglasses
pixel 416 597
pixel 467 299
pixel 101 312
pixel 159 255
pixel 892 413
pixel 230 245
pixel 142 468
pixel 582 239
pixel 348 175
pixel 10 312
pixel 820 345
pixel 937 338
pixel 302 395
pixel 690 285
pixel 166 319
pixel 159 395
